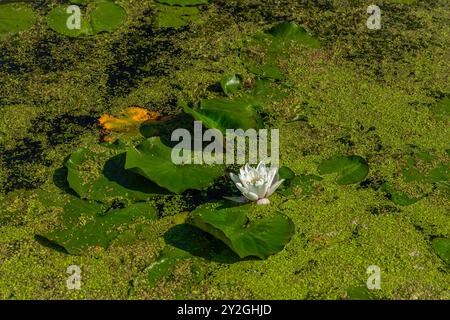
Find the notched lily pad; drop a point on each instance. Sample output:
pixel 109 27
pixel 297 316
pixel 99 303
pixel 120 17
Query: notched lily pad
pixel 351 169
pixel 101 176
pixel 86 225
pixel 16 17
pixel 223 114
pixel 152 160
pixel 260 238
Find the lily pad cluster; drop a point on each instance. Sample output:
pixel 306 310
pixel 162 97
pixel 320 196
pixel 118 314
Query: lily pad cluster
pixel 421 167
pixel 178 13
pixel 265 50
pixel 96 16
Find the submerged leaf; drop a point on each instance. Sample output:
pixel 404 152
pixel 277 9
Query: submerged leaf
pixel 442 247
pixel 87 226
pixel 175 17
pixel 260 238
pixel 351 169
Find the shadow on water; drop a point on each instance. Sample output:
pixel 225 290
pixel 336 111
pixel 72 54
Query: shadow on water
pixel 114 170
pixel 50 244
pixel 200 244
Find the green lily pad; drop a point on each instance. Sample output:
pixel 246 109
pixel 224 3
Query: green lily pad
pixel 264 89
pixel 442 108
pixel 183 2
pixel 351 169
pixel 300 185
pixel 359 293
pixel 175 17
pixel 260 238
pixel 106 16
pixel 164 265
pixel 152 160
pixel 223 114
pixel 399 197
pixel 99 16
pixel 285 32
pixel 86 225
pixel 16 17
pixel 442 247
pixel 263 51
pixel 57 20
pixel 101 176
pixel 286 173
pixel 231 83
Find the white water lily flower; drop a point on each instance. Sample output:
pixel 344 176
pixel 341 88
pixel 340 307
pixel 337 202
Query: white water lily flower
pixel 256 184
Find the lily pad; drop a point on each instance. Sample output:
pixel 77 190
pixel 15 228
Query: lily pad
pixel 175 17
pixel 16 17
pixel 57 20
pixel 101 176
pixel 86 225
pixel 399 197
pixel 263 51
pixel 223 114
pixel 285 32
pixel 99 16
pixel 164 265
pixel 442 247
pixel 351 169
pixel 260 238
pixel 231 83
pixel 183 2
pixel 286 173
pixel 106 16
pixel 300 185
pixel 152 160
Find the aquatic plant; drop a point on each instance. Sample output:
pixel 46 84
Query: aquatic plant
pixel 256 184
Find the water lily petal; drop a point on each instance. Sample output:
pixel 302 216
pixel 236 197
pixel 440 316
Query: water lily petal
pixel 235 178
pixel 240 199
pixel 274 187
pixel 250 195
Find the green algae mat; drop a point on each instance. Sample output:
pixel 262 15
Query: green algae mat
pixel 95 96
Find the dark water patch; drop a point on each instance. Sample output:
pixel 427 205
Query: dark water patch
pixel 9 64
pixel 43 57
pixel 62 129
pixel 26 151
pixel 384 209
pixel 374 183
pixel 139 55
